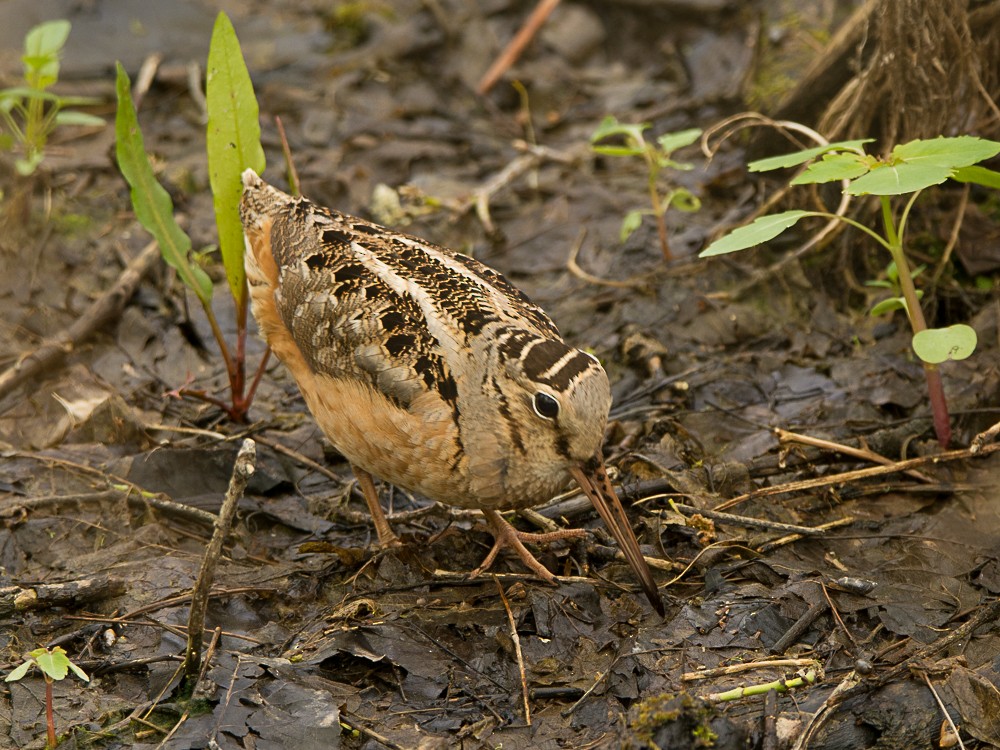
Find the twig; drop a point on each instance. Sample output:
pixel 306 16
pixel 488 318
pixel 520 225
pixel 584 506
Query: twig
pixel 144 79
pixel 517 650
pixel 790 538
pixel 351 722
pixel 516 45
pixel 110 304
pixel 243 468
pixel 755 119
pixel 574 268
pixel 944 710
pixel 850 476
pixel 781 686
pixel 953 237
pixel 293 175
pixel 784 436
pixel 751 523
pixel 984 437
pixel 705 674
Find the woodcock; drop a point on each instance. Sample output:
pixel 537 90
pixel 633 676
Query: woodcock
pixel 430 370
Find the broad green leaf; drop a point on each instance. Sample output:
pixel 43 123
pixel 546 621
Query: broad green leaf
pixel 979 175
pixel 69 117
pixel 152 204
pixel 78 672
pixel 888 305
pixel 42 46
pixel 54 664
pixel 233 145
pixel 936 345
pixel 760 230
pixel 670 142
pixel 800 157
pixel 961 151
pixel 631 222
pixel 833 168
pixel 898 179
pixel 19 671
pixel 611 127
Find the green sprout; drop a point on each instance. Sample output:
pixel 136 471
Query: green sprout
pixel 54 665
pixel 657 157
pixel 908 170
pixel 233 143
pixel 30 113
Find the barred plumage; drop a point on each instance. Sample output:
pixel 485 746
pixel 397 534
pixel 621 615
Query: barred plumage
pixel 428 369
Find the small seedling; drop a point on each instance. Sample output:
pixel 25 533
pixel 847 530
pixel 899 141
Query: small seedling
pixel 54 665
pixel 657 157
pixel 908 170
pixel 233 138
pixel 30 113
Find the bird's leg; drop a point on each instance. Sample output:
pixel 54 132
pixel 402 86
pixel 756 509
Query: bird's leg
pixel 507 536
pixel 386 536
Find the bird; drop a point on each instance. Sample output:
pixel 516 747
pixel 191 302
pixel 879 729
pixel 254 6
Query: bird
pixel 429 370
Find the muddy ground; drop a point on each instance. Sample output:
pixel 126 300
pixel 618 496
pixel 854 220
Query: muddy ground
pixel 326 642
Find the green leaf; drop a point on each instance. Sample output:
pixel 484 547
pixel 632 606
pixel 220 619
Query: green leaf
pixel 78 672
pixel 233 145
pixel 670 142
pixel 152 204
pixel 897 179
pixel 683 200
pixel 42 46
pixel 950 153
pixel 800 157
pixel 979 175
pixel 936 345
pixel 29 164
pixel 20 671
pixel 631 222
pixel 54 664
pixel 611 127
pixel 69 117
pixel 888 305
pixel 833 168
pixel 760 230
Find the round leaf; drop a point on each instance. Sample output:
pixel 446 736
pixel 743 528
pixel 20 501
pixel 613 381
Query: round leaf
pixel 936 345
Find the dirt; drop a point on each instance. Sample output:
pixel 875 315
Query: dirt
pixel 322 640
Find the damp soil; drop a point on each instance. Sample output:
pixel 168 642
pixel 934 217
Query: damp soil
pixel 884 592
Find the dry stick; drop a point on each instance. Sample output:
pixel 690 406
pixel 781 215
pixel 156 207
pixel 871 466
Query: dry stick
pixel 201 675
pixel 747 522
pixel 732 669
pixel 101 312
pixel 293 175
pixel 944 710
pixel 850 476
pixel 516 46
pixel 243 468
pixel 784 436
pixel 351 722
pixel 517 650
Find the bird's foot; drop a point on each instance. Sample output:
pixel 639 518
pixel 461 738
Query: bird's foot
pixel 507 536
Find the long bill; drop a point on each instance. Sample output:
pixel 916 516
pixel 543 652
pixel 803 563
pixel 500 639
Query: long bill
pixel 593 480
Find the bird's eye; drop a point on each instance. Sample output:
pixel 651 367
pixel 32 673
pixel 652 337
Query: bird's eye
pixel 545 406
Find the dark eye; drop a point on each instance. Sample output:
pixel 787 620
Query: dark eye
pixel 545 406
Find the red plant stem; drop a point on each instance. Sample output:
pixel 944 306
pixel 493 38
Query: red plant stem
pixel 939 406
pixel 50 719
